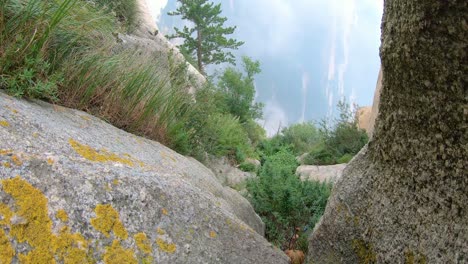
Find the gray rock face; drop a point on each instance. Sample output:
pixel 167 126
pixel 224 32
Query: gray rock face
pixel 73 187
pixel 227 174
pixel 329 173
pixel 404 198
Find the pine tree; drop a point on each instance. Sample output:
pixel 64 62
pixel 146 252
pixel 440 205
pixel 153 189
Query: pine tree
pixel 207 40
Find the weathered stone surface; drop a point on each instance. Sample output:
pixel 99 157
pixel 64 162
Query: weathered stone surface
pixel 404 198
pixel 227 174
pixel 330 173
pixel 74 187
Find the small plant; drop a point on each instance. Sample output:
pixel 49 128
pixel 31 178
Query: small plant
pixel 247 167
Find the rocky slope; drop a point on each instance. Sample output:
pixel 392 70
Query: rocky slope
pixel 74 188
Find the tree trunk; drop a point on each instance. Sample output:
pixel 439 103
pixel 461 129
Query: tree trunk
pixel 199 52
pixel 404 198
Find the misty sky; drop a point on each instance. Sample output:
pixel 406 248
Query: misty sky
pixel 312 52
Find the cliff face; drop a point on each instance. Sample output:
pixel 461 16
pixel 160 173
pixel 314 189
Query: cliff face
pixel 403 199
pixel 368 114
pixel 74 188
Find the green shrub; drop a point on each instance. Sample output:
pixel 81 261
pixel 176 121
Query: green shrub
pixel 283 201
pixel 248 167
pixel 223 135
pixel 255 132
pixel 320 156
pixel 303 137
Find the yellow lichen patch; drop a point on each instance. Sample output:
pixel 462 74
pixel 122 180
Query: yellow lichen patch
pixel 71 248
pixel 14 111
pixel 148 260
pixel 166 247
pixel 16 160
pixel 115 182
pixel 87 118
pixel 143 243
pixel 5 214
pixel 4 123
pixel 213 234
pixel 164 211
pixel 116 254
pixel 35 135
pixel 32 207
pixel 62 215
pixel 50 161
pixel 4 152
pixel 364 251
pixel 107 219
pixel 165 156
pixel 6 164
pixel 97 155
pixel 6 251
pixel 160 231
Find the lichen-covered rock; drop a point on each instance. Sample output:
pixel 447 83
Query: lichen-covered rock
pixel 75 189
pixel 329 173
pixel 404 198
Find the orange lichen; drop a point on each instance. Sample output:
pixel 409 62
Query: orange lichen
pixel 6 164
pixel 98 155
pixel 50 161
pixel 62 215
pixel 4 123
pixel 166 247
pixel 164 211
pixel 16 160
pixel 5 214
pixel 116 254
pixel 213 234
pixel 6 251
pixel 107 219
pixel 143 243
pixel 4 152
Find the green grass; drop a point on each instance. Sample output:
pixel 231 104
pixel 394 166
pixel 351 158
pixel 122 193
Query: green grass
pixel 66 52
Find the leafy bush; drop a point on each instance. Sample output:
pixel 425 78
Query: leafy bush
pixel 223 135
pixel 303 137
pixel 255 132
pixel 340 142
pixel 283 201
pixel 320 156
